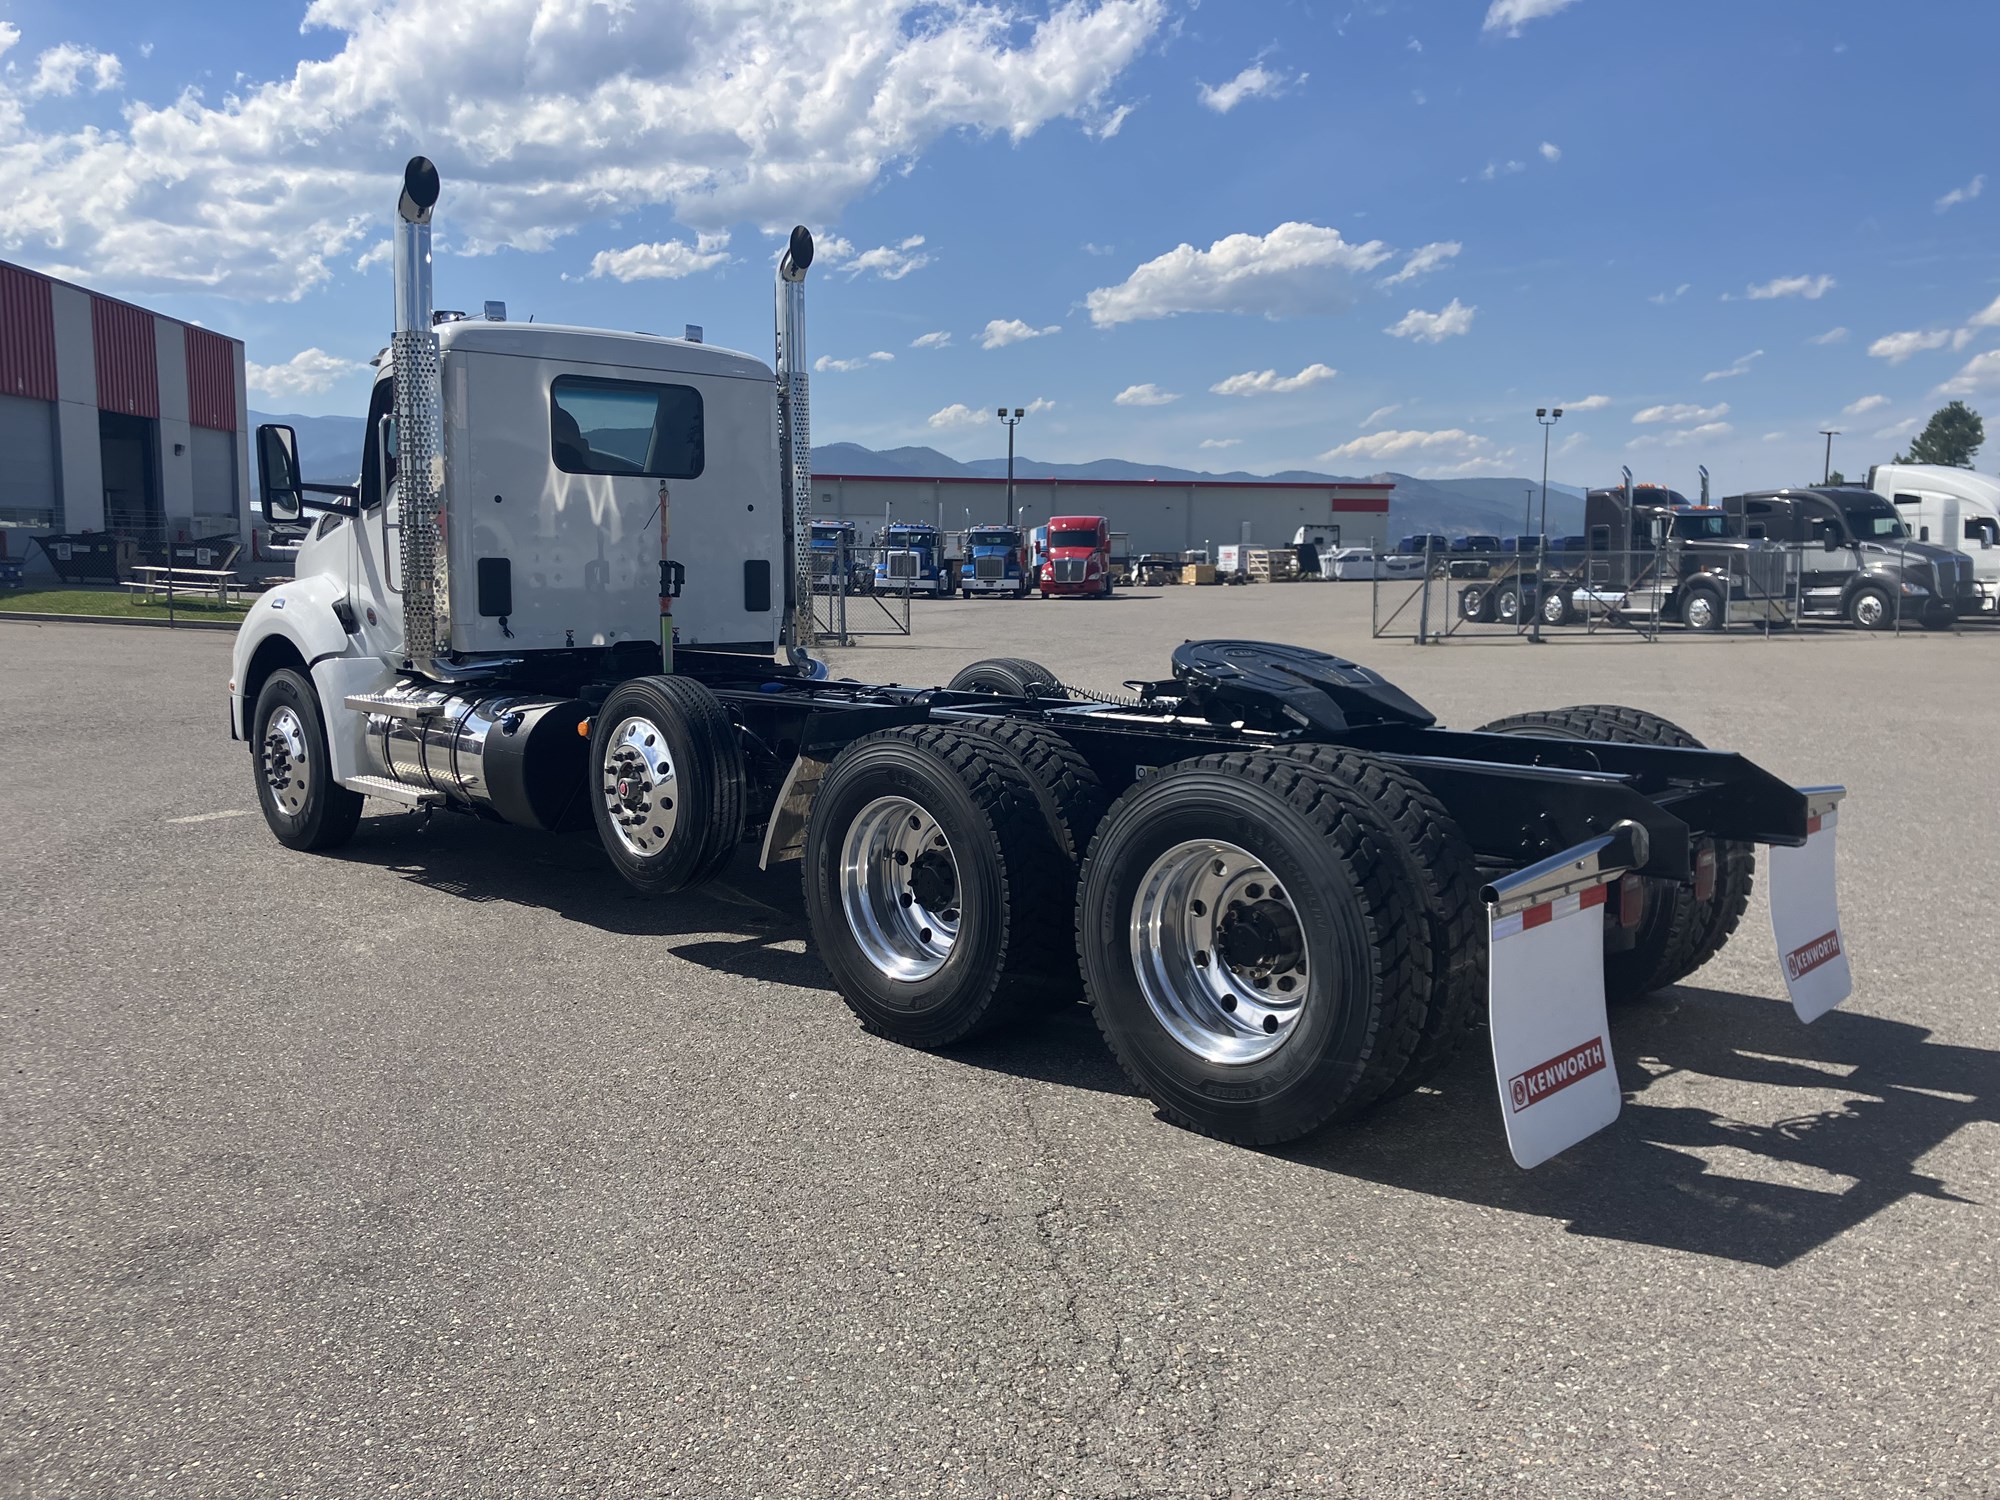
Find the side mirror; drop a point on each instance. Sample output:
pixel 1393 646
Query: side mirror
pixel 1829 540
pixel 278 486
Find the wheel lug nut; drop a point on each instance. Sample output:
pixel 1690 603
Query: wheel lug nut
pixel 1201 958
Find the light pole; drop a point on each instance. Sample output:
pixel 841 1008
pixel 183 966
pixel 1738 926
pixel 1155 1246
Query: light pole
pixel 1548 418
pixel 1829 433
pixel 1011 423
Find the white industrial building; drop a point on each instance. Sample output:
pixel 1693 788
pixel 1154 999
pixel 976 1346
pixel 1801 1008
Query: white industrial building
pixel 115 419
pixel 1159 515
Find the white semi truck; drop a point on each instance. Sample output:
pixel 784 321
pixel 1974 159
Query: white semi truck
pixel 1950 507
pixel 571 589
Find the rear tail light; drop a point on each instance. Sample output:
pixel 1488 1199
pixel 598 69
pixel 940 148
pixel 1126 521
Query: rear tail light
pixel 1631 900
pixel 1704 873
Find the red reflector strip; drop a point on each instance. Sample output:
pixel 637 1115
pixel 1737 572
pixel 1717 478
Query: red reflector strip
pixel 1547 911
pixel 1813 824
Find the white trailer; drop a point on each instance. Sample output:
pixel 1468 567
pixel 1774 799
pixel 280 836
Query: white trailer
pixel 572 590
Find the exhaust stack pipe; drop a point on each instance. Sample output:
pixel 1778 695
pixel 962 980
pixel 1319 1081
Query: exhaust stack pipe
pixel 419 435
pixel 795 431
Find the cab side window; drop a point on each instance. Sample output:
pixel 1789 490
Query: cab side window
pixel 380 404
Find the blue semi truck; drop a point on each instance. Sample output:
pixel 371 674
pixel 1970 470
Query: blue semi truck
pixel 910 558
pixel 996 562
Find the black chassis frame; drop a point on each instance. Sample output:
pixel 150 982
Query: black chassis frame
pixel 1519 799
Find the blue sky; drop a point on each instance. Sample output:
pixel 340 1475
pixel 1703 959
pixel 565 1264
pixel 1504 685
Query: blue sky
pixel 1261 236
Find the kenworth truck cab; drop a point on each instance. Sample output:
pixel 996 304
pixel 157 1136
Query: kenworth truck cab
pixel 1078 563
pixel 910 559
pixel 1954 508
pixel 1857 560
pixel 996 562
pixel 572 591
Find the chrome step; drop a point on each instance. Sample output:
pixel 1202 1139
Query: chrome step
pixel 391 708
pixel 392 791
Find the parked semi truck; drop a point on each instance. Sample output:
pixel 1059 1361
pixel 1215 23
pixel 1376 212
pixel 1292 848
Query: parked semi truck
pixel 996 562
pixel 1954 508
pixel 910 558
pixel 838 559
pixel 1858 561
pixel 1078 561
pixel 1292 891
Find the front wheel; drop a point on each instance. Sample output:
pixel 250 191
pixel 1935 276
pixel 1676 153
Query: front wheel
pixel 1556 608
pixel 304 806
pixel 1872 609
pixel 1701 609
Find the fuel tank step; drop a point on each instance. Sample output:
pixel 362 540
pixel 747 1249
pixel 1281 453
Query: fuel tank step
pixel 392 791
pixel 391 706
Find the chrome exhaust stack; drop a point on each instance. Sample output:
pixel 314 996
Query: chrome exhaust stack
pixel 795 431
pixel 419 425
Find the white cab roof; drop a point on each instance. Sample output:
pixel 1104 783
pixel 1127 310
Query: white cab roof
pixel 600 346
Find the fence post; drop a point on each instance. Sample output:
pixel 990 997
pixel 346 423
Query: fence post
pixel 1424 606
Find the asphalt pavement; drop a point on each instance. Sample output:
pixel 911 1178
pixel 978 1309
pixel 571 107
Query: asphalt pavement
pixel 446 1165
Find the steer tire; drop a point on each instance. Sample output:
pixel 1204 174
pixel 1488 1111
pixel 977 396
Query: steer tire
pixel 648 730
pixel 304 806
pixel 1440 863
pixel 1008 677
pixel 1358 926
pixel 1871 608
pixel 1702 609
pixel 999 854
pixel 1677 932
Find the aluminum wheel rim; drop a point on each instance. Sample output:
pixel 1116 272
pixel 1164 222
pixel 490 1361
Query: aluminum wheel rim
pixel 1474 598
pixel 899 888
pixel 640 787
pixel 284 759
pixel 1506 604
pixel 1868 610
pixel 1191 960
pixel 1701 612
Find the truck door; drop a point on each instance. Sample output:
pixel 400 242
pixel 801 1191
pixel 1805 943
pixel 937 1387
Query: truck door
pixel 376 567
pixel 1828 560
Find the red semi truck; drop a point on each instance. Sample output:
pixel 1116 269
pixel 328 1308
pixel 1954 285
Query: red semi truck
pixel 1077 558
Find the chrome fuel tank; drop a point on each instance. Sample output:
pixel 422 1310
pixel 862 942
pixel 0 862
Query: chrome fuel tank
pixel 518 754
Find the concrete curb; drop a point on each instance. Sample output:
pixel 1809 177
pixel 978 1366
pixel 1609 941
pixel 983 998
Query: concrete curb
pixel 44 619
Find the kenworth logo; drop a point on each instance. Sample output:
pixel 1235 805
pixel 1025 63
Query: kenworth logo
pixel 1802 961
pixel 1557 1074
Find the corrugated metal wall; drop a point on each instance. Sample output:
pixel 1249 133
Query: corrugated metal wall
pixel 27 335
pixel 128 371
pixel 211 370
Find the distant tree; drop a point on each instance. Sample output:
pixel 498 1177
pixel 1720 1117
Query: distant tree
pixel 1836 477
pixel 1954 435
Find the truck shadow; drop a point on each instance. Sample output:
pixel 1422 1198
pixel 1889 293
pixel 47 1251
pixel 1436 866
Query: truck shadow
pixel 1877 1096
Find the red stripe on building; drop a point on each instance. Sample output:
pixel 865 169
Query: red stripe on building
pixel 211 374
pixel 27 335
pixel 128 361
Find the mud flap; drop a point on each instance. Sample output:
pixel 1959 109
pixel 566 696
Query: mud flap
pixel 1805 912
pixel 1545 975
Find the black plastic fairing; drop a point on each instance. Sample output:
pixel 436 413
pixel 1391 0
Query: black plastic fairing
pixel 1289 687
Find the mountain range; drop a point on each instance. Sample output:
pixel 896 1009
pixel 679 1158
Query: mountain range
pixel 330 449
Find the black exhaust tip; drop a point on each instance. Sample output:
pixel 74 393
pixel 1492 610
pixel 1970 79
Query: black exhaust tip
pixel 420 188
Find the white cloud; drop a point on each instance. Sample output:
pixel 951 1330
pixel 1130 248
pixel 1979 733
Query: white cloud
pixel 1706 432
pixel 9 35
pixel 1674 296
pixel 1003 331
pixel 1588 403
pixel 940 339
pixel 886 262
pixel 1091 247
pixel 1741 367
pixel 958 414
pixel 826 362
pixel 1964 194
pixel 1986 317
pixel 1380 414
pixel 667 260
pixel 1981 373
pixel 546 117
pixel 1812 288
pixel 1271 383
pixel 1433 328
pixel 1295 269
pixel 1511 15
pixel 1252 81
pixel 1862 407
pixel 1900 429
pixel 1682 413
pixel 1831 336
pixel 1144 395
pixel 60 70
pixel 1039 404
pixel 310 372
pixel 1425 258
pixel 1495 169
pixel 1897 347
pixel 1776 437
pixel 1446 451
pixel 1550 151
pixel 1221 442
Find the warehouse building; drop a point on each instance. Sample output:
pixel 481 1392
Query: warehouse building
pixel 114 418
pixel 1159 515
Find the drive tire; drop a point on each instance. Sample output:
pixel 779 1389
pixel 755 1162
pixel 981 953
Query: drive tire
pixel 1871 608
pixel 667 744
pixel 1556 608
pixel 1701 610
pixel 1007 677
pixel 1358 929
pixel 1475 603
pixel 304 806
pixel 1677 932
pixel 1507 604
pixel 998 853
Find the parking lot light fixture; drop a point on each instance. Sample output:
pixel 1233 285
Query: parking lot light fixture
pixel 1011 423
pixel 1548 418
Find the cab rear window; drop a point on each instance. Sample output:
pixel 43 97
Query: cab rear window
pixel 599 426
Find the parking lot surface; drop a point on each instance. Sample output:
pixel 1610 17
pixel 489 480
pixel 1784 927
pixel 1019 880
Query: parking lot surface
pixel 446 1165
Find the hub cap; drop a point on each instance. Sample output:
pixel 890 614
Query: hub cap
pixel 284 758
pixel 1868 610
pixel 1219 952
pixel 640 787
pixel 1701 612
pixel 899 888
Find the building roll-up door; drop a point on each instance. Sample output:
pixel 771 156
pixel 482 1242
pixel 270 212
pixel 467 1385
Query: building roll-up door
pixel 28 474
pixel 214 454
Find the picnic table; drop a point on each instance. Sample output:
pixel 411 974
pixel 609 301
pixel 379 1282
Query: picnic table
pixel 219 583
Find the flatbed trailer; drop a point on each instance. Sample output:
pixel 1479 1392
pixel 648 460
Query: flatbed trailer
pixel 1284 889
